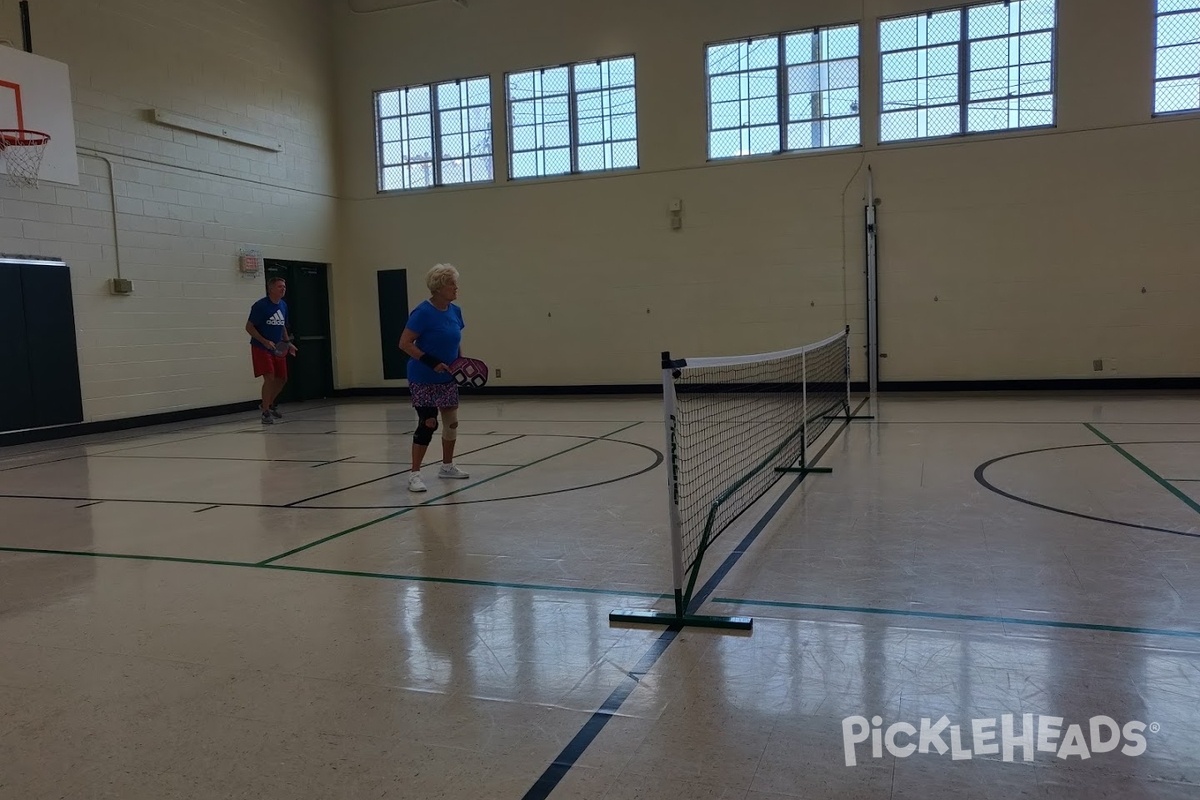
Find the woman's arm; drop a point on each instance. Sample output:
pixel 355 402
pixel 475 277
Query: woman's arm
pixel 408 343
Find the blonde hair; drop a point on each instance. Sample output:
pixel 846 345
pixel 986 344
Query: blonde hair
pixel 441 275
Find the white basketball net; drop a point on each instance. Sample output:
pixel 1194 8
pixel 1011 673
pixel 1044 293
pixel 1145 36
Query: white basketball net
pixel 22 156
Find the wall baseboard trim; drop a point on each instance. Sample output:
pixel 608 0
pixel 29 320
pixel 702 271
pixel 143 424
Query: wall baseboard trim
pixel 1043 385
pixel 126 423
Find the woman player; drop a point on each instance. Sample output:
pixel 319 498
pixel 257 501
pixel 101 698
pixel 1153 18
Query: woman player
pixel 432 339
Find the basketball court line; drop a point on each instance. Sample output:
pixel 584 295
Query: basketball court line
pixel 139 433
pixel 982 480
pixel 434 499
pixel 335 461
pixel 562 764
pixel 389 576
pixel 108 452
pixel 658 459
pixel 295 503
pixel 536 587
pixel 894 612
pixel 1161 481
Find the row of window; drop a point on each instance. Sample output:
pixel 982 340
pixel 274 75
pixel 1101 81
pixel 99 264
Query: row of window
pixel 974 69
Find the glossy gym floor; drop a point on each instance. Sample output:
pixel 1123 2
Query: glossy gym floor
pixel 221 609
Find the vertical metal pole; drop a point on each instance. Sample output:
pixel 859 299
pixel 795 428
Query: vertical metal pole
pixel 846 356
pixel 803 410
pixel 676 528
pixel 872 290
pixel 26 29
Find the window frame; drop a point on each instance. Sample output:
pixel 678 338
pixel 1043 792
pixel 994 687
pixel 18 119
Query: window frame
pixel 1154 79
pixel 435 132
pixel 964 73
pixel 781 94
pixel 573 143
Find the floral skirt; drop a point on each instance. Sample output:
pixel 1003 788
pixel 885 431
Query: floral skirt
pixel 434 395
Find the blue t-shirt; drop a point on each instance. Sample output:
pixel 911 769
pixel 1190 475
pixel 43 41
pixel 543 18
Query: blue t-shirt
pixel 270 319
pixel 439 333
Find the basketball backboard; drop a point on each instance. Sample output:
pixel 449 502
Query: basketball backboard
pixel 35 94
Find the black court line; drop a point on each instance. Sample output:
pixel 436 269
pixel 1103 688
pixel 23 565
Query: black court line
pixel 1151 474
pixel 1012 422
pixel 41 463
pixel 247 459
pixel 346 573
pixel 327 463
pixel 383 431
pixel 392 475
pixel 318 462
pixel 506 420
pixel 537 587
pixel 730 560
pixel 107 452
pixel 658 459
pixel 982 480
pixel 88 505
pixel 393 515
pixel 201 510
pixel 570 754
pixel 989 618
pixel 591 729
pixel 141 433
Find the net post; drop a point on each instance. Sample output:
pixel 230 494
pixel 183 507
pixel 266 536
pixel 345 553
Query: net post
pixel 679 618
pixel 848 372
pixel 676 529
pixel 804 410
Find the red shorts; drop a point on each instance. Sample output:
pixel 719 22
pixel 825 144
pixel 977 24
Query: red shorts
pixel 268 363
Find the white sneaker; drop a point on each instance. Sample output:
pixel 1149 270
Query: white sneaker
pixel 451 471
pixel 415 484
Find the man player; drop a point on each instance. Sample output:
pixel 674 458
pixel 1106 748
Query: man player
pixel 270 345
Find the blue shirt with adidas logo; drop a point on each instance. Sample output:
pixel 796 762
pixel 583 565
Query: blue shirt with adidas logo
pixel 270 319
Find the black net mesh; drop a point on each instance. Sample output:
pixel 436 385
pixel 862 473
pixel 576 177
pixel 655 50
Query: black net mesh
pixel 737 420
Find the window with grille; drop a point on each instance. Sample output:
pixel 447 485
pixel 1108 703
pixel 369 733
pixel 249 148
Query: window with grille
pixel 1177 56
pixel 784 92
pixel 434 134
pixel 573 118
pixel 973 69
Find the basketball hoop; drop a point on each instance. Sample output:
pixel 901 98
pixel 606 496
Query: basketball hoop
pixel 22 152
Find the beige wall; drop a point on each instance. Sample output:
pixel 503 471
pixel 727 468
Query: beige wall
pixel 185 203
pixel 1036 246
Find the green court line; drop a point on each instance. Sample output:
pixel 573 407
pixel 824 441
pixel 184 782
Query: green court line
pixel 390 576
pixel 1161 481
pixel 464 581
pixel 1041 623
pixel 431 500
pixel 39 551
pixel 612 592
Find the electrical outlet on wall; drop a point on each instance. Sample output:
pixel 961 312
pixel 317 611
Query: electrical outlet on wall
pixel 497 372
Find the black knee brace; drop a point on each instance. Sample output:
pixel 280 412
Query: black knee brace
pixel 426 424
